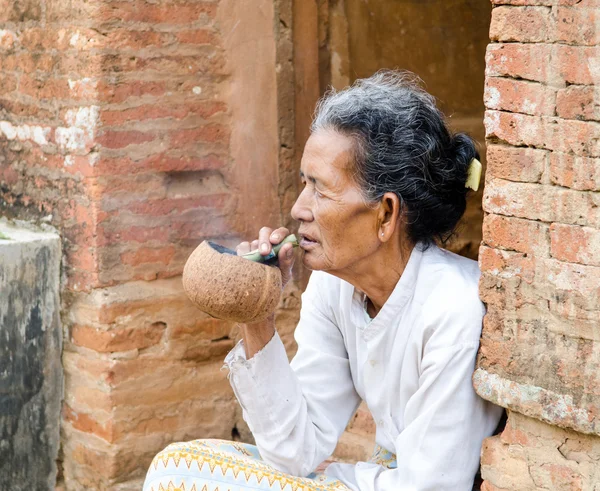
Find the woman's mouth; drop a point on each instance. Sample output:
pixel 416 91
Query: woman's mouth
pixel 307 242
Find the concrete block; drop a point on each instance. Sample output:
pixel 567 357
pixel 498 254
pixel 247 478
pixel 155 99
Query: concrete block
pixel 31 380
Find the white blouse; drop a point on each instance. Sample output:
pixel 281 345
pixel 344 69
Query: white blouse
pixel 412 364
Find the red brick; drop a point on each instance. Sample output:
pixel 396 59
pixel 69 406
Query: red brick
pixel 515 163
pixel 545 203
pixel 139 234
pixel 143 255
pixel 577 25
pixel 203 109
pixel 577 281
pixel 516 234
pixel 86 423
pixel 519 96
pixel 578 64
pixel 524 24
pixel 210 133
pixel 57 11
pixel 117 339
pixel 580 173
pixel 158 163
pixel 156 13
pixel 124 39
pixel 526 61
pixel 113 192
pixel 518 129
pixel 579 137
pixel 122 91
pixel 576 244
pixel 204 60
pixel 578 102
pixel 26 62
pixel 26 111
pixel 8 83
pixel 198 37
pixel 567 136
pixel 44 88
pixel 164 207
pixel 509 263
pixel 122 139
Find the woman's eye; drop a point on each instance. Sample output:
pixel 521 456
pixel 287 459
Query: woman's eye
pixel 319 194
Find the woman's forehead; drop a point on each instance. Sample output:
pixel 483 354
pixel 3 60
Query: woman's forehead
pixel 327 153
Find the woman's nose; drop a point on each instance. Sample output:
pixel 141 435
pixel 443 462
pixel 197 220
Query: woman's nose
pixel 301 210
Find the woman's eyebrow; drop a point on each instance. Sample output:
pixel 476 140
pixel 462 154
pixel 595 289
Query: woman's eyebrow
pixel 309 178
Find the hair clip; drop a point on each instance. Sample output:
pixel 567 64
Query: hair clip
pixel 474 175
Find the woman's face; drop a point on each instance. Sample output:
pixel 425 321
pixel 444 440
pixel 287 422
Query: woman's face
pixel 337 228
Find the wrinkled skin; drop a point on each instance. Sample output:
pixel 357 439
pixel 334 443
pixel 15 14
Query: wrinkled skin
pixel 362 243
pixel 331 208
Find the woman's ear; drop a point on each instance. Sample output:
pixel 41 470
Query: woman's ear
pixel 390 210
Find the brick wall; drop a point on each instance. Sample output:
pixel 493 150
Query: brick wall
pixel 139 129
pixel 540 254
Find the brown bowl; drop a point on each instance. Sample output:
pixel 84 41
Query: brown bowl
pixel 229 287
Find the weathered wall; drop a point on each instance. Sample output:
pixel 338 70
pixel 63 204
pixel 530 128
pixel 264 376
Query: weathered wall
pixel 540 255
pixel 139 129
pixel 31 380
pixel 442 41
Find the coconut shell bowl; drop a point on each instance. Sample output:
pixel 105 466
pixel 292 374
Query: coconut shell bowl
pixel 230 287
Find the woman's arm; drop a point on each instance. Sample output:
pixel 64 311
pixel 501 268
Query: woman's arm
pixel 297 412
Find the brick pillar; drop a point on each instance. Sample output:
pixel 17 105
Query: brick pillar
pixel 139 129
pixel 540 256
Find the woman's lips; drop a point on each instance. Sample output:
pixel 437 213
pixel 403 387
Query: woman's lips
pixel 307 243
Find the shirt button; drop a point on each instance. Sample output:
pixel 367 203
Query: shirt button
pixel 373 363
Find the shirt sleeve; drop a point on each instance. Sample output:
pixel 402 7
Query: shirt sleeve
pixel 445 424
pixel 297 411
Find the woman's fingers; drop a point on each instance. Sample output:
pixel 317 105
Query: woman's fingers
pixel 278 235
pixel 286 261
pixel 264 242
pixel 267 238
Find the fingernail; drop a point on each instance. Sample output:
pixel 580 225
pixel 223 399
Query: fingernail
pixel 264 248
pixel 275 236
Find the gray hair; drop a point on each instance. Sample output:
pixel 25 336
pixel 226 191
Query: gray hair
pixel 404 146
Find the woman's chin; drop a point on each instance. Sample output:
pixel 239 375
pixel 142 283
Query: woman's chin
pixel 312 261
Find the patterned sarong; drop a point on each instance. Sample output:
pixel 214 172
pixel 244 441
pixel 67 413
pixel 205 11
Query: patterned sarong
pixel 219 465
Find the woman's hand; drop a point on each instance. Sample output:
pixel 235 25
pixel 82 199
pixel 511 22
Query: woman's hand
pixel 267 238
pixel 257 335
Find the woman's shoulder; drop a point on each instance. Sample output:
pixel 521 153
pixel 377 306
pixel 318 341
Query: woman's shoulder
pixel 448 290
pixel 439 265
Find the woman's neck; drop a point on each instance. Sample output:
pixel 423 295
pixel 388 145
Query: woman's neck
pixel 377 275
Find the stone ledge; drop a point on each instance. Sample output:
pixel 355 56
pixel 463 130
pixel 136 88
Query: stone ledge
pixel 535 402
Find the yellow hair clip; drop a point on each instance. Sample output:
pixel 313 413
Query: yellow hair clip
pixel 474 175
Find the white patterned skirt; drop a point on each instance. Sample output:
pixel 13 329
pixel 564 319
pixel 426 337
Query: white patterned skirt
pixel 219 465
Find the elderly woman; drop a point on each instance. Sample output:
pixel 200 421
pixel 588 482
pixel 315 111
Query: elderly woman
pixel 388 317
